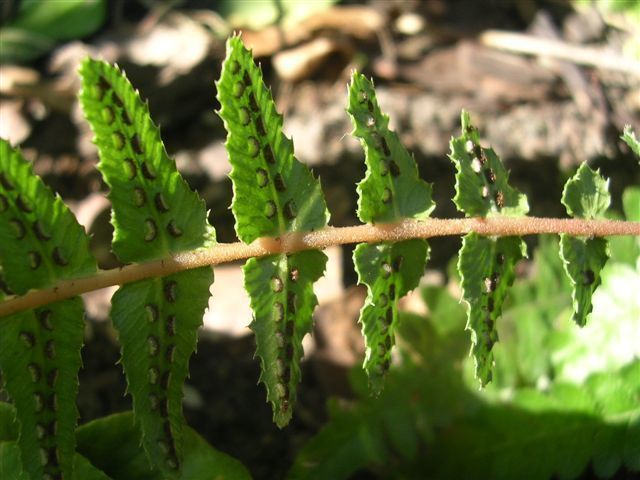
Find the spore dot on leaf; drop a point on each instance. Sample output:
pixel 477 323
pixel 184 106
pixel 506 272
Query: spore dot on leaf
pixel 161 203
pixel 148 171
pixel 23 204
pixel 383 300
pixel 39 231
pixel 150 230
pixel 152 375
pixel 292 300
pixel 126 117
pixel 234 66
pixel 35 372
pixel 261 177
pixel 384 168
pixel 5 182
pixel 52 377
pixel 173 229
pixel 238 89
pixel 370 106
pixel 385 149
pixel 500 199
pixel 270 209
pixel 490 304
pixel 130 167
pixel 253 105
pixel 163 446
pixel 18 228
pixel 154 401
pixel 244 116
pixel 44 317
pixel 117 139
pixel 41 431
pixel 276 284
pixel 28 339
pixel 290 210
pixel 164 407
pixel 294 274
pixel 153 345
pixel 58 258
pixel 392 290
pixel 253 146
pixel 386 195
pixel 469 145
pixel 387 342
pixel 394 169
pixel 165 380
pixel 38 399
pixel 500 258
pixel 289 328
pixel 35 259
pixel 171 325
pixel 490 283
pixel 152 312
pixel 260 127
pixel 389 316
pixel 139 197
pixel 370 121
pixel 279 339
pixel 279 390
pixel 386 270
pixel 171 291
pixel 489 322
pixel 278 182
pixel 588 277
pixel 50 349
pixel 485 191
pixel 476 166
pixel 362 96
pixel 170 353
pixel 490 175
pixel 107 115
pixel 397 263
pixel 267 153
pixel 279 367
pixel 136 144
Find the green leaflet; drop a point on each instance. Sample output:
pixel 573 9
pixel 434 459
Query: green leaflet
pixel 40 243
pixel 40 240
pixel 486 265
pixel 272 192
pixel 391 190
pixel 487 271
pixel 482 187
pixel 282 299
pixel 390 271
pixel 630 139
pixel 585 195
pixel 154 210
pixel 157 321
pixel 154 214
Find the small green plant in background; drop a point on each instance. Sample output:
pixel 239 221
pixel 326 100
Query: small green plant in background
pixel 281 219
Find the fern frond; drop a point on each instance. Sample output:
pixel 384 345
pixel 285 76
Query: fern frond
pixel 486 264
pixel 391 190
pixel 155 213
pixel 41 242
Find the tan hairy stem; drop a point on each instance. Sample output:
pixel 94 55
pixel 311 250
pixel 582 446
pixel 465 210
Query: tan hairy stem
pixel 293 242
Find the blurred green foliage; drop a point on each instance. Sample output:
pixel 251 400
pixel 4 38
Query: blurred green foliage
pixel 39 25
